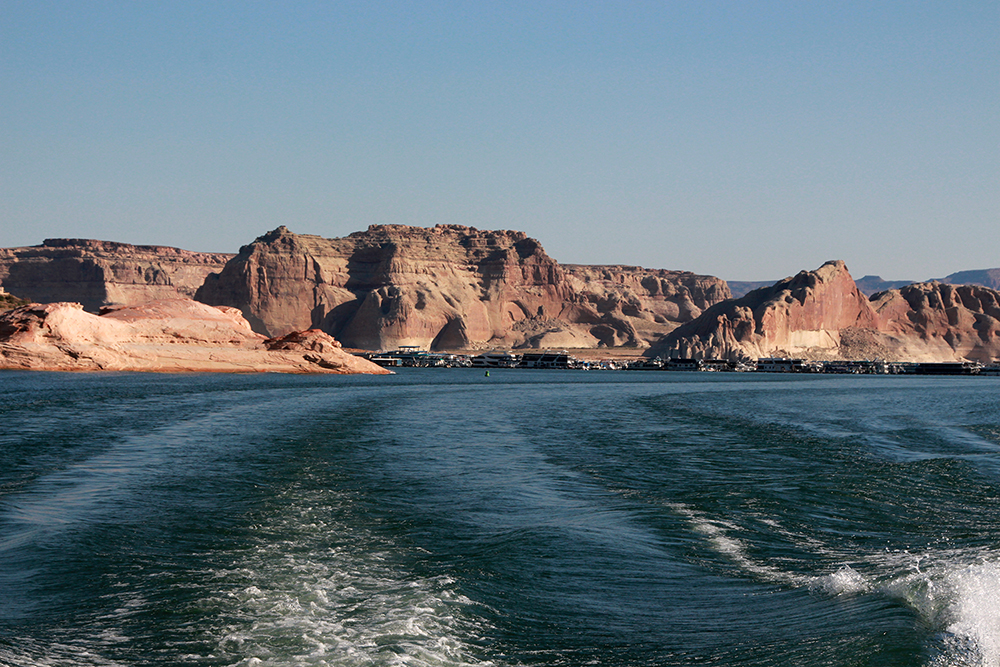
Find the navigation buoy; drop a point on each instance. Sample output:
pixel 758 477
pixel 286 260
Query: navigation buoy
pixel 487 373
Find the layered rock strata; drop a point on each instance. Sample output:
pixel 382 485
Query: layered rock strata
pixel 936 321
pixel 102 273
pixel 651 301
pixel 801 315
pixel 171 335
pixel 823 315
pixel 448 287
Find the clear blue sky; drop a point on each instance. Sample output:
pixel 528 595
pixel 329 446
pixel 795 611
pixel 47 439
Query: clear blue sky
pixel 742 139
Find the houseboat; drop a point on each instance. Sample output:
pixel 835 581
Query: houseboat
pixel 781 365
pixel 495 359
pixel 547 360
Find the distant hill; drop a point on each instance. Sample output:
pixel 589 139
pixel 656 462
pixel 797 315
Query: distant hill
pixel 874 284
pixel 741 288
pixel 985 277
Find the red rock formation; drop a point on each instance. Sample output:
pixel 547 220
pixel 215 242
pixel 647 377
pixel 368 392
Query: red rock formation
pixel 936 321
pixel 800 316
pixel 649 301
pixel 171 335
pixel 100 273
pixel 823 315
pixel 448 287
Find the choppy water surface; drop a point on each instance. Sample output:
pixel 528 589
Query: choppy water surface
pixel 529 518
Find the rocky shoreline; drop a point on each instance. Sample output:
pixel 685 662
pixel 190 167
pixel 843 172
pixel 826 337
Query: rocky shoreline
pixel 168 336
pixel 453 287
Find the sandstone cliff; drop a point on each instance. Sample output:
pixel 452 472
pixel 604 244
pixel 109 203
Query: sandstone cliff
pixel 798 316
pixel 936 321
pixel 448 287
pixel 101 273
pixel 651 301
pixel 171 335
pixel 822 315
pixel 870 285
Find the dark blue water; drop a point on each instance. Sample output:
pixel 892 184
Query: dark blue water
pixel 439 517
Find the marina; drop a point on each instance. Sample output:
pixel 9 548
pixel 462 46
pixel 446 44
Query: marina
pixel 411 356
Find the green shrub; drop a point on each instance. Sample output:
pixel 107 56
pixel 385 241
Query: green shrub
pixel 9 301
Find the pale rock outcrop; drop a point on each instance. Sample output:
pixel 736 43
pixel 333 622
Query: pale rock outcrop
pixel 447 287
pixel 100 273
pixel 650 301
pixel 170 335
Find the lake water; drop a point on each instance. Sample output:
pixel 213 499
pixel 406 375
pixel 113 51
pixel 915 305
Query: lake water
pixel 440 517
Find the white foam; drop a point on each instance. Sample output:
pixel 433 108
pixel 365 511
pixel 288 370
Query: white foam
pixel 959 600
pixel 954 592
pixel 328 595
pixel 30 654
pixel 845 581
pixel 735 549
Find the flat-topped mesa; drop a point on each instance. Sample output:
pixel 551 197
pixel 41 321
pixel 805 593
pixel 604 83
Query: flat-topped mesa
pixel 799 316
pixel 100 273
pixel 445 287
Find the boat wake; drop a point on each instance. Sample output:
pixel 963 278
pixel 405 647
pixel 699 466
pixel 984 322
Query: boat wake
pixel 309 590
pixel 956 594
pixel 313 590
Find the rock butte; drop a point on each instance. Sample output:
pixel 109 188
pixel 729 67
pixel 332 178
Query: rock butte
pixel 101 273
pixel 170 335
pixel 451 287
pixel 822 315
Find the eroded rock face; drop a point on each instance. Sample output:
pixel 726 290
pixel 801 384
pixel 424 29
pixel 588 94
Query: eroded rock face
pixel 650 301
pixel 101 273
pixel 170 335
pixel 799 316
pixel 937 321
pixel 822 315
pixel 449 287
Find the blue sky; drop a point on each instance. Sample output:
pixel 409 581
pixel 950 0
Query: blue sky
pixel 746 140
